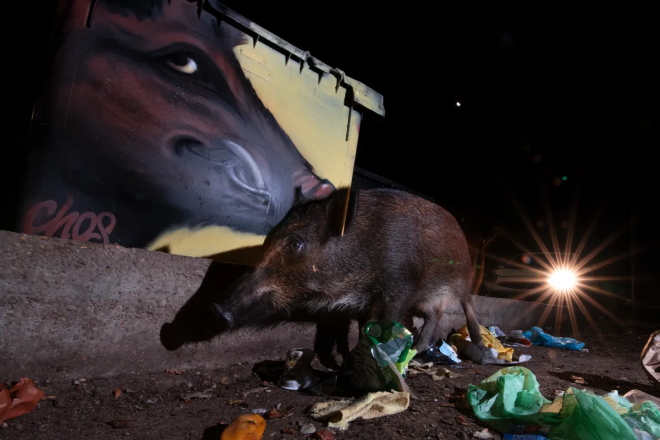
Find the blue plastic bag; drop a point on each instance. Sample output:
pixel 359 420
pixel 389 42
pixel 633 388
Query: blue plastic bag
pixel 539 337
pixel 521 432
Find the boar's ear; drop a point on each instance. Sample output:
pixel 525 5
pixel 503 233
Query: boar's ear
pixel 298 196
pixel 339 217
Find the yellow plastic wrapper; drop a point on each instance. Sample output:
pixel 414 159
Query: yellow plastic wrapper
pixel 490 341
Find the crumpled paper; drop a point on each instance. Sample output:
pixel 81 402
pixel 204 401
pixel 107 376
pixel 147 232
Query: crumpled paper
pixel 19 399
pixel 339 413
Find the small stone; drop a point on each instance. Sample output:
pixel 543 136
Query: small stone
pixel 19 427
pixel 75 382
pixel 5 426
pixel 259 411
pixel 151 401
pixel 82 379
pixel 189 384
pixel 308 429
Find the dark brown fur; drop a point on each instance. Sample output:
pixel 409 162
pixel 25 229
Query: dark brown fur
pixel 400 256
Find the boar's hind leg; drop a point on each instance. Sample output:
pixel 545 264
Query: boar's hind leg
pixel 427 334
pixel 472 322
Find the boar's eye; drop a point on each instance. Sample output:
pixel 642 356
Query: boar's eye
pixel 296 243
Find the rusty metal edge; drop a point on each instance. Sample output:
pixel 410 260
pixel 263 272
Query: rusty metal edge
pixel 362 95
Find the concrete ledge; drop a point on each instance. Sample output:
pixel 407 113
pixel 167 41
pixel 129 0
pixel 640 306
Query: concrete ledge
pixel 71 308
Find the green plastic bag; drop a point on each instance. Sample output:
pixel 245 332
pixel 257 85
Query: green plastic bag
pixel 589 417
pixel 645 417
pixel 511 397
pixel 380 360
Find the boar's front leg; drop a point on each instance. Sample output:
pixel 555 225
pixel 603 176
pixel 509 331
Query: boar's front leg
pixel 332 329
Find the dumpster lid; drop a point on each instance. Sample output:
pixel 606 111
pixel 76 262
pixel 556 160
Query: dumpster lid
pixel 361 94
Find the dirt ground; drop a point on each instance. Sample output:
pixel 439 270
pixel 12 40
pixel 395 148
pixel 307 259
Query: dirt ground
pixel 154 405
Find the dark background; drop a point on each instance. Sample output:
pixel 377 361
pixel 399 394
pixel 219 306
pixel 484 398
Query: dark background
pixel 542 96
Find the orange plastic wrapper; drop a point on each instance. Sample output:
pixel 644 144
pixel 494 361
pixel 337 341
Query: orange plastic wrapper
pixel 19 399
pixel 245 427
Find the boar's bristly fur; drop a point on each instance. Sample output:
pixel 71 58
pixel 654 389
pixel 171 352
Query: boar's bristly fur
pixel 400 256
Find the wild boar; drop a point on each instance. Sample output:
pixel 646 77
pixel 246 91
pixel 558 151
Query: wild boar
pixel 400 256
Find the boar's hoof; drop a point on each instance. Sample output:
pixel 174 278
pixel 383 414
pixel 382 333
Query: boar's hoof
pixel 328 360
pixel 225 319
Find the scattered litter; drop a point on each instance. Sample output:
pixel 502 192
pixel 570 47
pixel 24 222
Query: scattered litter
pixel 322 434
pixel 510 402
pixel 495 330
pixel 492 352
pixel 241 403
pixel 651 359
pixel 482 434
pixel 380 359
pixel 151 401
pixel 516 339
pixel 279 412
pixel 308 429
pixel 175 371
pixel 117 393
pixel 585 350
pixel 539 337
pixel 637 396
pixel 245 427
pixel 289 430
pixel 121 424
pixel 522 432
pixel 19 399
pixel 578 380
pixel 75 382
pixel 198 395
pixel 259 411
pixel 4 426
pixel 339 414
pixel 430 369
pixel 254 390
pixel 644 418
pixel 441 354
pixel 297 374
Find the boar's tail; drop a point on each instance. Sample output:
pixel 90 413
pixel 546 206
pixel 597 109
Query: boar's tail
pixel 479 262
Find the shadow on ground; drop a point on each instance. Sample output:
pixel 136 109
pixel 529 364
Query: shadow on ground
pixel 604 383
pixel 194 322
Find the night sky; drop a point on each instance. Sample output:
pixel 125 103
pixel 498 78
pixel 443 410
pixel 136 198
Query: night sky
pixel 542 96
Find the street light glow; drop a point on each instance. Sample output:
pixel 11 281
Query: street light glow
pixel 563 280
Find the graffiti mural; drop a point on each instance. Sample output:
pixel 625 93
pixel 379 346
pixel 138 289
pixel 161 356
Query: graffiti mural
pixel 170 127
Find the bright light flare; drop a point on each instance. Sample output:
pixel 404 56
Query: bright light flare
pixel 563 280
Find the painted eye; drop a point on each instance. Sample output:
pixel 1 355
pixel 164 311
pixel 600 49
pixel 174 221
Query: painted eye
pixel 182 63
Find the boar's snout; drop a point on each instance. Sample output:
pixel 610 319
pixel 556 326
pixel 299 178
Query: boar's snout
pixel 224 317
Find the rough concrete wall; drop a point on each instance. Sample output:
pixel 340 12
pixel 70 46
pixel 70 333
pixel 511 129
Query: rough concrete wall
pixel 71 308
